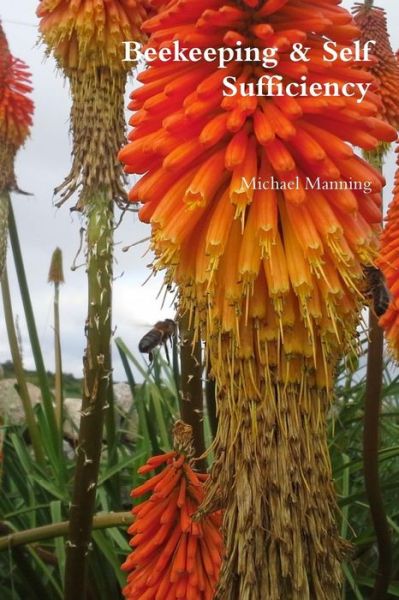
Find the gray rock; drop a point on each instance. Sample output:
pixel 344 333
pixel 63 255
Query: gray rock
pixel 11 409
pixel 124 407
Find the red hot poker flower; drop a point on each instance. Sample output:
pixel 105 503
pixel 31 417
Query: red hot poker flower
pixel 389 264
pixel 270 276
pixel 16 110
pixel 174 556
pixel 372 22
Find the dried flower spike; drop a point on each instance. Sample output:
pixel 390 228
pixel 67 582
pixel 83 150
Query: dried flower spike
pixel 56 273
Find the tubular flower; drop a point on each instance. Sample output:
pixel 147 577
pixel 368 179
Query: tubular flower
pixel 85 37
pixel 174 556
pixel 389 264
pixel 268 268
pixel 372 22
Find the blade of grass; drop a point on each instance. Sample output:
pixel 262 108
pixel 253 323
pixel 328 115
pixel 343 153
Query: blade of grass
pixel 56 516
pixel 34 338
pixel 19 371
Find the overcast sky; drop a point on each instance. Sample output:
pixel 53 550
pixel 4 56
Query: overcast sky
pixel 41 166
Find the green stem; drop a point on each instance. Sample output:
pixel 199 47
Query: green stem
pixel 38 590
pixel 97 364
pixel 4 209
pixel 49 532
pixel 192 402
pixel 370 458
pixel 59 400
pixel 34 338
pixel 19 371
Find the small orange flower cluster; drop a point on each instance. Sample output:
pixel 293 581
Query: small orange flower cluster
pixel 84 33
pixel 372 22
pixel 16 108
pixel 174 556
pixel 389 264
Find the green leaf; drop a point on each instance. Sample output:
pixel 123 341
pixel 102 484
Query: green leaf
pixel 56 516
pixel 106 547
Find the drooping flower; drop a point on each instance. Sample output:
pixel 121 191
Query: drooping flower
pixel 372 22
pixel 271 277
pixel 174 556
pixel 389 264
pixel 86 38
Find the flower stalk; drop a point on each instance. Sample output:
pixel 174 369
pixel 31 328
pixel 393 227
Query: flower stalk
pixel 372 22
pixel 192 393
pixel 49 532
pixel 56 277
pixel 371 440
pixel 97 363
pixel 371 445
pixel 4 208
pixel 86 39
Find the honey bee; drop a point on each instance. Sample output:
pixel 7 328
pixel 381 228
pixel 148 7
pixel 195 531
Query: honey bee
pixel 377 290
pixel 159 334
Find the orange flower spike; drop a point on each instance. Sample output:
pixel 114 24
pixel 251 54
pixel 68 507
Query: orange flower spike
pixel 372 22
pixel 256 266
pixel 167 551
pixel 389 264
pixel 16 110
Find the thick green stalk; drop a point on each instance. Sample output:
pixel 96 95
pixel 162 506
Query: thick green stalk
pixel 371 443
pixel 192 400
pixel 19 371
pixel 34 338
pixel 97 363
pixel 59 400
pixel 49 532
